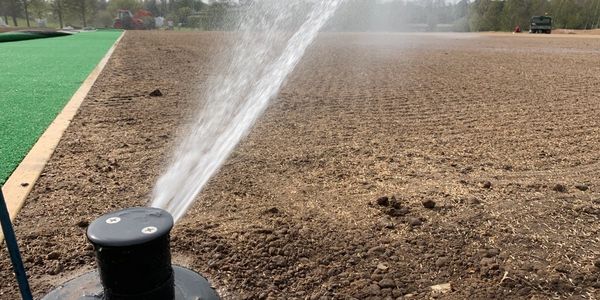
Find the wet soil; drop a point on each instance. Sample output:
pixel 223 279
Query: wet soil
pixel 388 165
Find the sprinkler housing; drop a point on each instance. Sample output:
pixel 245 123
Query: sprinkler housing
pixel 134 261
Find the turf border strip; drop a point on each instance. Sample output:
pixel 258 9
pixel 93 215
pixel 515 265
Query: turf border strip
pixel 21 181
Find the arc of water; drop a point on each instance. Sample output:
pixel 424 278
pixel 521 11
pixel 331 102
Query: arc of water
pixel 220 126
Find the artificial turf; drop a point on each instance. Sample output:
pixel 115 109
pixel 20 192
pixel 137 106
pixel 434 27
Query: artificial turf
pixel 37 78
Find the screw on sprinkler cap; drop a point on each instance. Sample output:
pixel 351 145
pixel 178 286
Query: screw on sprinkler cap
pixel 130 227
pixel 134 262
pixel 133 254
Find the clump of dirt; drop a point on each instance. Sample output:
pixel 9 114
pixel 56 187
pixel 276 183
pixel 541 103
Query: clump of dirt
pixel 156 93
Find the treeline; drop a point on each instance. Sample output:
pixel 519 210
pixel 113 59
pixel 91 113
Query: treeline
pixel 477 15
pixel 101 13
pixel 487 15
pixel 354 15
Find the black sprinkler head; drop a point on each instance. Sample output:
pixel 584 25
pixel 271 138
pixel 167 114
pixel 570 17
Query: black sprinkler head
pixel 134 262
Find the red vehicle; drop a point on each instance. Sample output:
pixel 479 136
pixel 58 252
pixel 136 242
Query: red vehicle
pixel 126 20
pixel 517 29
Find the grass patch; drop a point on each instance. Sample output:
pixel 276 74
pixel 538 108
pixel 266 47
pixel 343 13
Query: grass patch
pixel 37 78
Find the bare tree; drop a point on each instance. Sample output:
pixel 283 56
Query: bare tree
pixel 14 11
pixel 25 7
pixel 57 7
pixel 82 12
pixel 4 10
pixel 83 9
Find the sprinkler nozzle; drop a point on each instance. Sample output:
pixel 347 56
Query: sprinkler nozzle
pixel 133 255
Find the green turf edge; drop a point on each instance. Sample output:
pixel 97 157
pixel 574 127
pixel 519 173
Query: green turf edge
pixel 37 78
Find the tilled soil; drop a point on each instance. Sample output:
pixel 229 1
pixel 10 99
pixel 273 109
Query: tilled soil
pixel 389 163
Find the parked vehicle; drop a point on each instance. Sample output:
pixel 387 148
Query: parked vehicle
pixel 540 24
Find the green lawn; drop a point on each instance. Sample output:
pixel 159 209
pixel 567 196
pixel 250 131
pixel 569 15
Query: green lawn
pixel 37 78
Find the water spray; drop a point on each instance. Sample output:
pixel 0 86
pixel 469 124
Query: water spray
pixel 133 255
pixel 264 54
pixel 132 246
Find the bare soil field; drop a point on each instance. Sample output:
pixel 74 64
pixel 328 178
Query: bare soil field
pixel 388 164
pixel 577 31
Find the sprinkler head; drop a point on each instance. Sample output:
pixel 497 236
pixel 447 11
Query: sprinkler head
pixel 134 261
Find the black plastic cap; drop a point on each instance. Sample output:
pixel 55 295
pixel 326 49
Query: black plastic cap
pixel 134 262
pixel 130 227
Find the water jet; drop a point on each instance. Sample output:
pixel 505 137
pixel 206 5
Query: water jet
pixel 133 256
pixel 271 38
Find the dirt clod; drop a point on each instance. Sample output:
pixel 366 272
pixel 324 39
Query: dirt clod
pixel 53 255
pixel 372 290
pixel 272 210
pixel 466 170
pixel 442 261
pixel 562 268
pixel 561 188
pixel 489 265
pixel 397 212
pixel 412 221
pixel 279 261
pixel 83 223
pixel 582 187
pixel 55 269
pixel 473 201
pixel 377 250
pixel 383 201
pixel 387 222
pixel 429 204
pixel 386 283
pixel 492 252
pixel 394 203
pixel 592 210
pixel 156 93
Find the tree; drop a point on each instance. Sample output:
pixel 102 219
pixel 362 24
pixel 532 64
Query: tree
pixel 104 19
pixel 460 14
pixel 83 10
pixel 13 6
pixel 58 10
pixel 182 14
pixel 485 15
pixel 589 13
pixel 151 6
pixel 4 8
pixel 596 18
pixel 39 8
pixel 568 14
pixel 25 8
pixel 101 4
pixel 515 13
pixel 354 15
